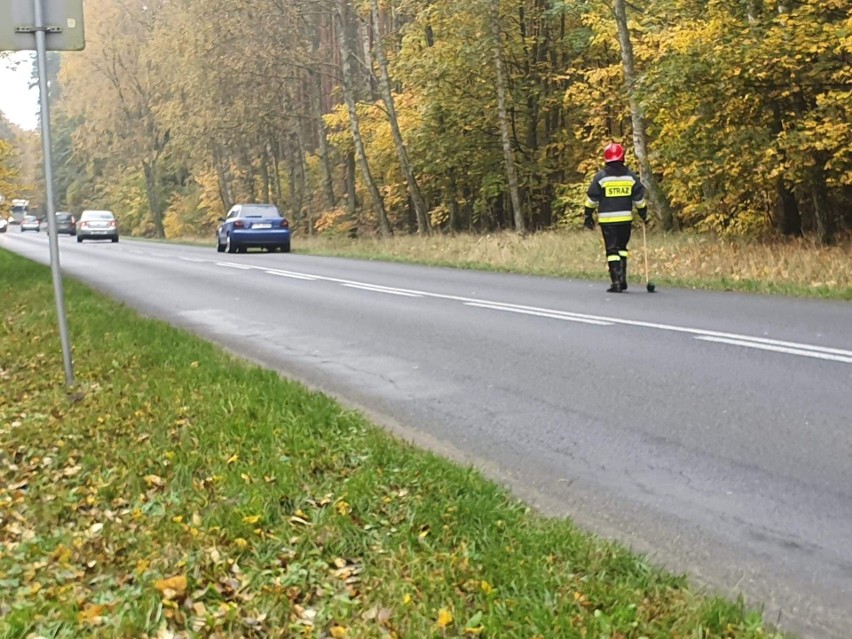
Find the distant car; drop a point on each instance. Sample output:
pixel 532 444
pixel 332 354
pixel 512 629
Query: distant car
pixel 253 225
pixel 4 225
pixel 66 224
pixel 97 225
pixel 30 223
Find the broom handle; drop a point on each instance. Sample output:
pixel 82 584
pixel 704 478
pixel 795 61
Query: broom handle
pixel 645 251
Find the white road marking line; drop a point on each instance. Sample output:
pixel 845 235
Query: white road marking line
pixel 295 276
pixel 553 315
pixel 793 345
pixel 192 259
pixel 242 267
pixel 777 349
pixel 792 348
pixel 379 289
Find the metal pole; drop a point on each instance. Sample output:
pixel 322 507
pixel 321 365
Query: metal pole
pixel 53 240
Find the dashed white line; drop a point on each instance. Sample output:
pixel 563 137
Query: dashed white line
pixel 241 267
pixel 381 289
pixel 295 276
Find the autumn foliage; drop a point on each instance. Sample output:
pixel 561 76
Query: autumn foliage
pixel 178 109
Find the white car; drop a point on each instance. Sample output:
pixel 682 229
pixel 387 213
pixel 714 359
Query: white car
pixel 97 225
pixel 4 225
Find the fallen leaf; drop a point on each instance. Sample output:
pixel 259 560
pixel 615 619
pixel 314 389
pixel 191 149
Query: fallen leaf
pixel 154 480
pixel 91 613
pixel 445 618
pixel 172 587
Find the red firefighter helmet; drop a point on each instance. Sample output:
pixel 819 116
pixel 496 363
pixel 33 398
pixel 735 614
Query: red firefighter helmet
pixel 614 153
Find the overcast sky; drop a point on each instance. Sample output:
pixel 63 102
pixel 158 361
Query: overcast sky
pixel 18 103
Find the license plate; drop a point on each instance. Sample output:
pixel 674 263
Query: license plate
pixel 261 226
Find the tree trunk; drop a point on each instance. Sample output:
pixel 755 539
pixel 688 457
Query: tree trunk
pixel 303 179
pixel 351 193
pixel 292 170
pixel 271 150
pixel 640 142
pixel 225 191
pixel 788 220
pixel 248 178
pixel 152 187
pixel 825 224
pixel 264 175
pixel 421 212
pixel 508 154
pixel 322 143
pixel 315 90
pixel 347 53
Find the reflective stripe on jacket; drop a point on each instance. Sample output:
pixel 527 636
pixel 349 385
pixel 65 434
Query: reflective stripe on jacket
pixel 615 191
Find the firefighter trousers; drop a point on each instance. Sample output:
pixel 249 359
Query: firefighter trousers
pixel 616 237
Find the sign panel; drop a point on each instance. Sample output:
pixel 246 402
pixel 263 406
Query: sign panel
pixel 63 20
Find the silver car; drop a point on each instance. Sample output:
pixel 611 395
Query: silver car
pixel 97 225
pixel 30 223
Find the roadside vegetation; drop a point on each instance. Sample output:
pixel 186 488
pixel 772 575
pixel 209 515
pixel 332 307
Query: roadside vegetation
pixel 179 492
pixel 791 267
pixel 796 267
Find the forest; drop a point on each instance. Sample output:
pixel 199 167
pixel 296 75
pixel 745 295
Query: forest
pixel 382 117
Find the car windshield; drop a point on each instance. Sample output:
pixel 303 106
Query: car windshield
pixel 30 218
pixel 97 215
pixel 259 211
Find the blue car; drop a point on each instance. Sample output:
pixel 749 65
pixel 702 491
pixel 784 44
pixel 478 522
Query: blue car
pixel 253 225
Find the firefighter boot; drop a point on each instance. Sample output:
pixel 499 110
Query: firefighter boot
pixel 623 273
pixel 615 276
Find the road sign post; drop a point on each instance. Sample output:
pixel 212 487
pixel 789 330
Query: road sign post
pixel 61 22
pixel 26 25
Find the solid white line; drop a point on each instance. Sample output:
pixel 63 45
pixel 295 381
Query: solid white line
pixel 376 289
pixel 794 345
pixel 694 331
pixel 553 315
pixel 192 259
pixel 777 349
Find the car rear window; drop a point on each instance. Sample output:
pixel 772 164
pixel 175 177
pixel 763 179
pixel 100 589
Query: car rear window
pixel 97 215
pixel 259 211
pixel 63 217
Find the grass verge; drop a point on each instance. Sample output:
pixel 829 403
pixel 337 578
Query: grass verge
pixel 787 267
pixel 179 492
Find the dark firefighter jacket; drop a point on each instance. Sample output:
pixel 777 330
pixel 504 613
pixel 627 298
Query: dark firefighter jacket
pixel 614 191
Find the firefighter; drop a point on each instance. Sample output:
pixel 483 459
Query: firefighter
pixel 614 192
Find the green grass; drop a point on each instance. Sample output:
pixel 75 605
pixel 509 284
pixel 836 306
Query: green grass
pixel 178 490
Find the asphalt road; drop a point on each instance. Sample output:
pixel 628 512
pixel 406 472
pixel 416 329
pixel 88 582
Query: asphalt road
pixel 710 430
